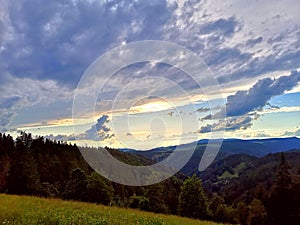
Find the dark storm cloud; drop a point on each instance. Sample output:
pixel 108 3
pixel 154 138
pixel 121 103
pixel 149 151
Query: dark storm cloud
pixel 226 56
pixel 231 58
pixel 243 102
pixel 59 39
pixel 253 67
pixel 240 106
pixel 224 26
pixel 55 41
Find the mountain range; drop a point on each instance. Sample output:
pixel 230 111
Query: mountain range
pixel 250 149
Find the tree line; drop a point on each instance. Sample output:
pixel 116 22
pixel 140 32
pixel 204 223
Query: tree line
pixel 54 169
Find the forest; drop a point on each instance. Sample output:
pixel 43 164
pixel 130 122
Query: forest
pixel 236 189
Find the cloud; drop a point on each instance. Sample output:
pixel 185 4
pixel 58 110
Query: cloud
pixel 99 131
pixel 277 109
pixel 55 44
pixel 251 42
pixel 206 109
pixel 230 124
pixel 258 134
pixel 296 132
pixel 243 102
pixel 257 66
pixel 203 109
pixel 275 39
pixel 17 93
pixel 8 107
pixel 140 83
pixel 62 38
pixel 207 117
pixel 225 27
pixel 60 137
pixel 262 134
pixel 240 108
pixel 270 106
pixel 259 43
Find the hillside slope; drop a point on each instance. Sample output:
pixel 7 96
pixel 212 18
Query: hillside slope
pixel 33 210
pixel 241 177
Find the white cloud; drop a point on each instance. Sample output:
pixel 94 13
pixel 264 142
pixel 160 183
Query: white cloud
pixel 295 132
pixel 98 132
pixel 274 27
pixel 280 110
pixel 242 106
pixel 229 124
pixel 243 102
pixel 47 50
pixel 18 93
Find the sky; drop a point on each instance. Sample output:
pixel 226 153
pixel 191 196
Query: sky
pixel 251 49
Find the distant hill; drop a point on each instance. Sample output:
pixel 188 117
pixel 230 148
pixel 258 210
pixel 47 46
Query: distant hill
pixel 253 147
pixel 260 147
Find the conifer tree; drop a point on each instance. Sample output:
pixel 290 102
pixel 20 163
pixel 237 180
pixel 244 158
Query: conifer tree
pixel 279 204
pixel 193 201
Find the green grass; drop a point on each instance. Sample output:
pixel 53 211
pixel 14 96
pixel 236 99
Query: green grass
pixel 226 175
pixel 236 170
pixel 34 210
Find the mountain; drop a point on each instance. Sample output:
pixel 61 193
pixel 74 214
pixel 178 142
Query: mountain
pixel 253 147
pixel 41 167
pixel 242 177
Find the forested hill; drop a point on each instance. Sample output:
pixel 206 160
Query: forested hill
pixel 42 167
pixel 254 147
pixel 236 188
pixel 243 177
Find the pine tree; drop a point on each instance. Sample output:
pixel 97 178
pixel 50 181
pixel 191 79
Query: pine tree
pixel 98 190
pixel 218 209
pixel 156 199
pixel 279 204
pixel 4 172
pixel 193 201
pixel 283 176
pixel 243 213
pixel 76 186
pixel 24 177
pixel 257 213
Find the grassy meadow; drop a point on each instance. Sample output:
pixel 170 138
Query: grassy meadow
pixel 34 210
